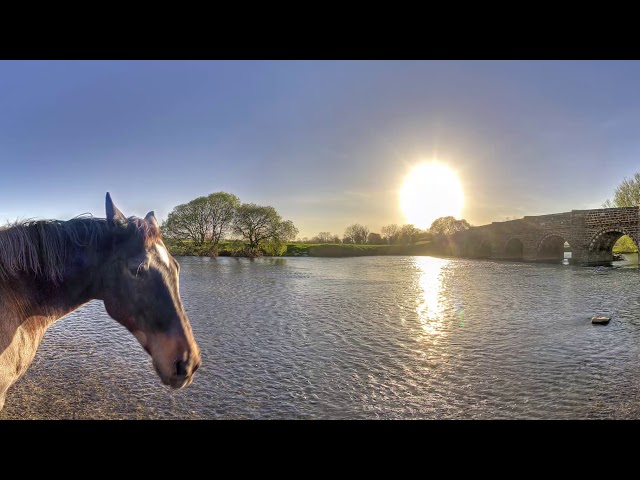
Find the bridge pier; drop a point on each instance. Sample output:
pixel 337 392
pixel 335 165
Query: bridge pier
pixel 595 258
pixel 582 256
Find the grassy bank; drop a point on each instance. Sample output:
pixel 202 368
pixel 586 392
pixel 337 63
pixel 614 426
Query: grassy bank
pixel 348 250
pixel 239 249
pixel 625 249
pixel 187 248
pixel 625 245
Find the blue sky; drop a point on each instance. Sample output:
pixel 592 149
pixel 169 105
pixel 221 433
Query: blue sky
pixel 327 143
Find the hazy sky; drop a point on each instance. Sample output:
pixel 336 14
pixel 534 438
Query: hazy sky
pixel 327 143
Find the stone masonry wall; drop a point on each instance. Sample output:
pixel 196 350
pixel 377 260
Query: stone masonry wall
pixel 591 234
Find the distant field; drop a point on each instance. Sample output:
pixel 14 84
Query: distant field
pixel 617 249
pixel 342 250
pixel 625 245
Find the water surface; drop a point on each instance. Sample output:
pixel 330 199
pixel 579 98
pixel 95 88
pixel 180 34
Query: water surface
pixel 365 337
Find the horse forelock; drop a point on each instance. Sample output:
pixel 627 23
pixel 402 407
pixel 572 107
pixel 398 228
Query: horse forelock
pixel 148 231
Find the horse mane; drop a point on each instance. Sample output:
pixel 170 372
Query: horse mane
pixel 42 247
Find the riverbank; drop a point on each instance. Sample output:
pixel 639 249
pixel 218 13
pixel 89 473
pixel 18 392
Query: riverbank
pixel 237 249
pixel 624 250
pixel 240 249
pixel 348 250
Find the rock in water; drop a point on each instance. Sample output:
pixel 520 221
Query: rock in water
pixel 600 319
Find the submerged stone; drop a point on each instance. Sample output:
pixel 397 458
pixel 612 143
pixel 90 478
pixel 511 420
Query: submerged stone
pixel 600 319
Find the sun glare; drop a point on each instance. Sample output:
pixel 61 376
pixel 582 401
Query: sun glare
pixel 430 191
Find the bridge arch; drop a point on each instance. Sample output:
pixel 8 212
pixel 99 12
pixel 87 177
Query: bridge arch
pixel 551 247
pixel 478 247
pixel 601 244
pixel 485 248
pixel 604 239
pixel 514 248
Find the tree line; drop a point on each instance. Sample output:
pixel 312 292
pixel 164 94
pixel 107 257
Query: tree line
pixel 392 234
pixel 201 225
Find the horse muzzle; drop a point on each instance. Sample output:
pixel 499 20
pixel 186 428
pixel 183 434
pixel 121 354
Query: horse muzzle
pixel 174 358
pixel 183 371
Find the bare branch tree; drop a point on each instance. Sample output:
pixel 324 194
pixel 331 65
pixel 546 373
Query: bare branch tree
pixel 356 233
pixel 390 233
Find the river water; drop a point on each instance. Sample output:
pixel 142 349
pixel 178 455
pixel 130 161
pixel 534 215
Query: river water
pixel 361 338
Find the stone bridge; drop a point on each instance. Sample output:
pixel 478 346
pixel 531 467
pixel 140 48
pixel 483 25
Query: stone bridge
pixel 590 233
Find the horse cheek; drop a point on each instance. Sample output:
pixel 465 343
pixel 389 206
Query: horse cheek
pixel 117 312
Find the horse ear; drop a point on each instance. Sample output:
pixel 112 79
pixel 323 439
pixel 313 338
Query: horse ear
pixel 114 216
pixel 151 218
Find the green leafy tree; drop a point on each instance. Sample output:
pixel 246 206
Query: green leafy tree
pixel 188 221
pixel 222 209
pixel 262 227
pixel 627 194
pixel 202 219
pixel 448 225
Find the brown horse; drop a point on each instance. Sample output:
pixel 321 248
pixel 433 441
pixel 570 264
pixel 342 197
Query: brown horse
pixel 50 268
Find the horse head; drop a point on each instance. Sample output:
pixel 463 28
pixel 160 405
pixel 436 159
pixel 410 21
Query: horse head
pixel 140 289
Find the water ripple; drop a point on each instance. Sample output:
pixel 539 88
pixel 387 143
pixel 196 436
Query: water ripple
pixel 367 337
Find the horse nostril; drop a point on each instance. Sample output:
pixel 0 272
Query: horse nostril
pixel 181 368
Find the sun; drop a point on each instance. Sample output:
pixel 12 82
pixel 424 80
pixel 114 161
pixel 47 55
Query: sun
pixel 430 191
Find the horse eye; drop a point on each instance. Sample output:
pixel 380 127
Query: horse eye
pixel 139 271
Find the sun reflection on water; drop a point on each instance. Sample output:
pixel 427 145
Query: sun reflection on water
pixel 430 306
